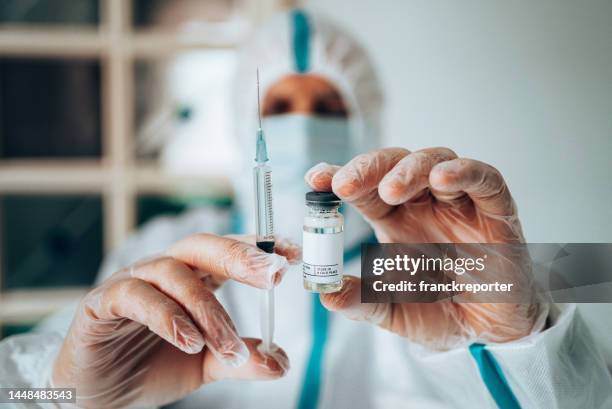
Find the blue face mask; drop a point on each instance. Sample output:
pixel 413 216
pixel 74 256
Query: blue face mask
pixel 297 142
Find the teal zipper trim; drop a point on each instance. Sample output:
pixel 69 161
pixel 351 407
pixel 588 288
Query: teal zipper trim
pixel 301 40
pixel 311 386
pixel 493 378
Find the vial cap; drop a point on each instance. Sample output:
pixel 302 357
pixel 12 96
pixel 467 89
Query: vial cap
pixel 322 198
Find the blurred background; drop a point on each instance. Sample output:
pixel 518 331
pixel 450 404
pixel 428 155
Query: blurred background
pixel 106 107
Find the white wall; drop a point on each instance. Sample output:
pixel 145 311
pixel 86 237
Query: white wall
pixel 525 87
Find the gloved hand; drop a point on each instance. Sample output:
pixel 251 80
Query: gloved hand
pixel 154 332
pixel 432 196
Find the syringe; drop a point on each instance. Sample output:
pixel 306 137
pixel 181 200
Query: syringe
pixel 262 179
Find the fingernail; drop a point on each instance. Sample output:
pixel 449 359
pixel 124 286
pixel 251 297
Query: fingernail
pixel 314 170
pixel 276 279
pixel 394 175
pixel 274 354
pixel 222 338
pixel 186 336
pixel 235 357
pixel 346 187
pixel 292 250
pixel 267 268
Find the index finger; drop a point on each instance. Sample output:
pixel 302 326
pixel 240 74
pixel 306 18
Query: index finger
pixel 225 258
pixel 357 181
pixel 282 246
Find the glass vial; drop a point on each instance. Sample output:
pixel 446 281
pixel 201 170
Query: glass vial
pixel 323 243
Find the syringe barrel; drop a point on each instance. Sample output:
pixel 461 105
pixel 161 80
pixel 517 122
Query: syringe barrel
pixel 264 224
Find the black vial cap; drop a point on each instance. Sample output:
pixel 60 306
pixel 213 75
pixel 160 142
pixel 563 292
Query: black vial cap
pixel 323 198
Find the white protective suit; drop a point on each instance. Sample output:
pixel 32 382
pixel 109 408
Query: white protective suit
pixel 363 366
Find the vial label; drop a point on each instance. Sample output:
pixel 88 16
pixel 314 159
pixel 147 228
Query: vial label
pixel 323 257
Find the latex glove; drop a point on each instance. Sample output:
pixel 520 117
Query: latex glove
pixel 432 196
pixel 154 332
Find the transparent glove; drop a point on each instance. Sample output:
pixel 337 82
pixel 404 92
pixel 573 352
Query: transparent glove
pixel 154 332
pixel 432 196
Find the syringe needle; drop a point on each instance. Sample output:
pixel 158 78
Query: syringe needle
pixel 258 103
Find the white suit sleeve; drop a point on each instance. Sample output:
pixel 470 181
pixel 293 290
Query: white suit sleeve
pixel 26 361
pixel 560 367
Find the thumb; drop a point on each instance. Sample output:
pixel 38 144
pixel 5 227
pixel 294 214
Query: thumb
pixel 347 301
pixel 261 365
